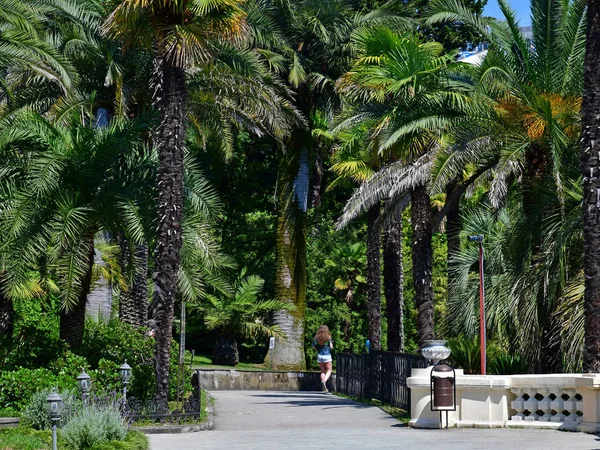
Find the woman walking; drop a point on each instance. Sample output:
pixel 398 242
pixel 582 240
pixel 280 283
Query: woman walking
pixel 323 344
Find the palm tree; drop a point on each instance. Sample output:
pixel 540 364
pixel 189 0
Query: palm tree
pixel 239 315
pixel 308 41
pixel 590 164
pixel 411 96
pixel 535 88
pixel 353 161
pixel 349 261
pixel 71 182
pixel 181 34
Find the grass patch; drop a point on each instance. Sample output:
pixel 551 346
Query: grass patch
pixel 135 440
pixel 28 439
pixel 25 439
pixel 398 413
pixel 205 362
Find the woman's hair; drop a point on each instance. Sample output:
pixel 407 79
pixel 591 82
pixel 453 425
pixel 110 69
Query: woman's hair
pixel 323 335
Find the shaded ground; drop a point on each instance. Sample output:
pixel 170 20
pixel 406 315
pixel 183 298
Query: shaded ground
pixel 303 420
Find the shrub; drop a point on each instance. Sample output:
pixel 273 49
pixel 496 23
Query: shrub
pixel 35 415
pixel 465 354
pixel 507 364
pixel 92 426
pixel 18 386
pixel 107 346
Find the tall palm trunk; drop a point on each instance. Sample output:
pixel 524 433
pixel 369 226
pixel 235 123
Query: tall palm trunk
pixel 374 277
pixel 590 158
pixel 140 284
pixel 6 317
pixel 393 281
pixel 133 301
pixel 170 98
pixel 422 260
pixel 72 322
pixel 317 177
pixel 290 286
pixel 290 283
pixel 453 227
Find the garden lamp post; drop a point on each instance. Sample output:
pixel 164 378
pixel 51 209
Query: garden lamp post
pixel 54 405
pixel 84 384
pixel 125 372
pixel 482 342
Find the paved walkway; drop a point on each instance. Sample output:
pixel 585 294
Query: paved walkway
pixel 300 420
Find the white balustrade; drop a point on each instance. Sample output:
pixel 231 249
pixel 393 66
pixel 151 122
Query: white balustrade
pixel 547 404
pixel 565 401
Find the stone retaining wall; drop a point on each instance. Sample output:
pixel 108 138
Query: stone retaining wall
pixel 253 380
pixel 9 422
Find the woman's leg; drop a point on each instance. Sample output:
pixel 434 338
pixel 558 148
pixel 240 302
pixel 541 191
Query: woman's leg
pixel 323 367
pixel 328 368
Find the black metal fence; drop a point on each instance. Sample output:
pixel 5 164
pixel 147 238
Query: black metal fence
pixel 377 375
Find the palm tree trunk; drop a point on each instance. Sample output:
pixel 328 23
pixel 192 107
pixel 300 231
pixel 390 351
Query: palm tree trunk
pixel 590 159
pixel 6 317
pixel 374 277
pixel 72 322
pixel 126 305
pixel 133 301
pixel 393 281
pixel 422 260
pixel 317 177
pixel 288 352
pixel 453 227
pixel 140 284
pixel 290 282
pixel 170 97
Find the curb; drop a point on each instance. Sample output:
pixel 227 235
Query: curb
pixel 178 429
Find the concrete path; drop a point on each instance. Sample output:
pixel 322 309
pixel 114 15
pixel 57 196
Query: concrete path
pixel 301 420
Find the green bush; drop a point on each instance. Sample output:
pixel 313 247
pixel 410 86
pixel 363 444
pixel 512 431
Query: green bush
pixel 35 415
pixel 465 354
pixel 9 412
pixel 506 364
pixel 92 426
pixel 107 346
pixel 17 387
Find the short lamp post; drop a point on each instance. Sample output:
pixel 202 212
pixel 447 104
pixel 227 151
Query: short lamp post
pixel 54 405
pixel 84 384
pixel 125 372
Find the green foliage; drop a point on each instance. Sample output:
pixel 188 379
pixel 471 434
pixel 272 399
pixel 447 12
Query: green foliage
pixel 506 364
pixel 93 425
pixel 36 416
pixel 107 345
pixel 26 439
pixel 240 314
pixel 174 370
pixel 465 354
pixel 9 412
pixel 134 440
pixel 36 333
pixel 17 387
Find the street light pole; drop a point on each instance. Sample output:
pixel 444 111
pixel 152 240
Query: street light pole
pixel 482 340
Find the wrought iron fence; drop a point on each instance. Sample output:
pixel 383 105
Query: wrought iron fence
pixel 377 375
pixel 159 410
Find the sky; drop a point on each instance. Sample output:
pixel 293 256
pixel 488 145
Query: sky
pixel 522 8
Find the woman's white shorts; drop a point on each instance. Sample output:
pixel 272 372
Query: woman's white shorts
pixel 323 358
